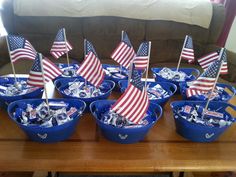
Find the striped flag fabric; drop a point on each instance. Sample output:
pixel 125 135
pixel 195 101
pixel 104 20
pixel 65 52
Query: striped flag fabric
pixel 142 56
pixel 91 70
pixel 205 81
pixel 134 102
pixel 88 47
pixel 60 46
pixel 20 48
pixel 188 51
pixel 124 52
pixel 51 71
pixel 208 59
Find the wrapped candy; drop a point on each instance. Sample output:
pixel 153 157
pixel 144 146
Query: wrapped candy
pixel 45 116
pixel 78 89
pixel 157 92
pixel 211 118
pixel 219 94
pixel 169 74
pixel 115 72
pixel 114 119
pixel 68 71
pixel 18 88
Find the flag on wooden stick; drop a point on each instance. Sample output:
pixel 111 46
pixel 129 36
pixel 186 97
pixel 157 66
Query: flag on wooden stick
pixel 124 52
pixel 141 60
pixel 206 81
pixel 208 59
pixel 91 68
pixel 51 71
pixel 20 48
pixel 88 47
pixel 60 45
pixel 187 52
pixel 134 102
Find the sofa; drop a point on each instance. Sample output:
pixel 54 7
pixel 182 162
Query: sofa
pixel 104 32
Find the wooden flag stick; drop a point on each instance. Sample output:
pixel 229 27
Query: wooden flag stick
pixel 130 70
pixel 217 77
pixel 44 83
pixel 85 81
pixel 12 65
pixel 67 56
pixel 180 58
pixel 122 37
pixel 149 52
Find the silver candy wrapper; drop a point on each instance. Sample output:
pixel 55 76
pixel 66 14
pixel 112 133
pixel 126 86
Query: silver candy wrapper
pixel 167 73
pixel 218 94
pixel 157 92
pixel 78 89
pixel 68 71
pixel 211 118
pixel 115 72
pixel 45 116
pixel 19 88
pixel 114 119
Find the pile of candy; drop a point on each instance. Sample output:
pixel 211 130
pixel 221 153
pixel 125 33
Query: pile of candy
pixel 80 90
pixel 157 92
pixel 115 72
pixel 45 116
pixel 219 94
pixel 68 71
pixel 167 73
pixel 211 118
pixel 18 88
pixel 115 120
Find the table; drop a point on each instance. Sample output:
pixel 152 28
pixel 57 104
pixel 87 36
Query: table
pixel 87 151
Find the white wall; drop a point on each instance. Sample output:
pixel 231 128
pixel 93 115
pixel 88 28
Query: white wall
pixel 231 40
pixel 2 29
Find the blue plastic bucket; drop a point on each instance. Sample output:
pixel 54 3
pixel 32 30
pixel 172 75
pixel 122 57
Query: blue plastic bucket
pixel 189 71
pixel 62 83
pixel 183 87
pixel 51 134
pixel 123 135
pixel 115 79
pixel 5 100
pixel 62 66
pixel 197 132
pixel 169 87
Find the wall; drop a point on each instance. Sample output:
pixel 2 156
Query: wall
pixel 231 40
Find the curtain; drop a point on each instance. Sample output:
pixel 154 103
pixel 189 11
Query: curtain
pixel 218 1
pixel 230 8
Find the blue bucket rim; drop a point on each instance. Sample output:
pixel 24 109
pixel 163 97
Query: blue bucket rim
pixel 37 126
pixel 193 69
pixel 135 128
pixel 58 80
pixel 232 88
pixel 16 96
pixel 196 101
pixel 172 84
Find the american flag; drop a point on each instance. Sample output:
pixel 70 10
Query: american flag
pixel 20 48
pixel 60 46
pixel 205 81
pixel 124 52
pixel 134 102
pixel 208 59
pixel 142 56
pixel 187 51
pixel 88 47
pixel 91 69
pixel 51 71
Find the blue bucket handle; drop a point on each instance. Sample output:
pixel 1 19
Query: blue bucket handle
pixel 195 72
pixel 157 109
pixel 173 88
